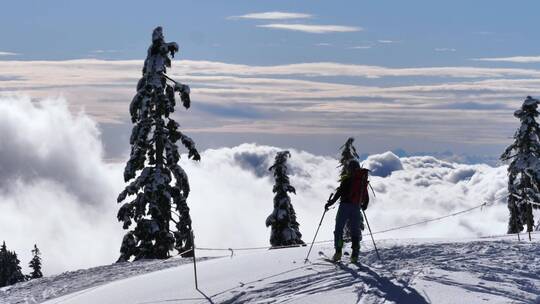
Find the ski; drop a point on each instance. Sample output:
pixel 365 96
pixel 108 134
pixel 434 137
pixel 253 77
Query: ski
pixel 340 262
pixel 330 260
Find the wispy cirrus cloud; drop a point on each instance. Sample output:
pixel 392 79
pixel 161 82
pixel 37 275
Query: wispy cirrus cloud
pixel 515 59
pixel 106 70
pixel 104 51
pixel 386 41
pixel 445 49
pixel 312 28
pixel 8 54
pixel 360 47
pixel 314 69
pixel 276 15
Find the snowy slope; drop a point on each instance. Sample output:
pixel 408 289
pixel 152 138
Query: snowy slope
pixel 500 270
pixel 39 290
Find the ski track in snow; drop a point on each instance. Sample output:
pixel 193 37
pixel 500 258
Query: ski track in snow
pixel 412 271
pixel 500 268
pixel 503 271
pixel 366 283
pixel 40 290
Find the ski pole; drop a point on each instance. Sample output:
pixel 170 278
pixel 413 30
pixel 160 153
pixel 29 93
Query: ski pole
pixel 194 261
pixel 369 228
pixel 316 232
pixel 369 184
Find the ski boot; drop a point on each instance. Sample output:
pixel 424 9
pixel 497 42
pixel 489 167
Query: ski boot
pixel 354 257
pixel 355 251
pixel 337 256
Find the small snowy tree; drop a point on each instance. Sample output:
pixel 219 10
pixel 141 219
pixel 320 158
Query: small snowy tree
pixel 285 228
pixel 10 270
pixel 154 151
pixel 348 153
pixel 35 264
pixel 524 168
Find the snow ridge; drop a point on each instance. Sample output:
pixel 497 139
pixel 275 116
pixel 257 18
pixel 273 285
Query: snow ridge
pixel 412 271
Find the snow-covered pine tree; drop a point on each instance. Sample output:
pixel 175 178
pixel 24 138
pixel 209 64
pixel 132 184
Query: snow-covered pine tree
pixel 285 227
pixel 155 152
pixel 35 264
pixel 10 270
pixel 348 153
pixel 4 262
pixel 524 169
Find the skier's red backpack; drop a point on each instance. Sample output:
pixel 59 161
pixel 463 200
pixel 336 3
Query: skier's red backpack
pixel 359 187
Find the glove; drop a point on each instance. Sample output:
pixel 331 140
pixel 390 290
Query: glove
pixel 327 206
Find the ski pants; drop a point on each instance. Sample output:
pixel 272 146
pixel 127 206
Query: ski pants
pixel 351 213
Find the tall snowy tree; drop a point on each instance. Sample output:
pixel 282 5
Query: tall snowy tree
pixel 524 169
pixel 10 270
pixel 285 227
pixel 348 153
pixel 158 228
pixel 35 264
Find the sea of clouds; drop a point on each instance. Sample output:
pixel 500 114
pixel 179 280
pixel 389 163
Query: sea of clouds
pixel 56 190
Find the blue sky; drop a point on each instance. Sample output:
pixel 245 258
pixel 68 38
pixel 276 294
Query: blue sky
pixel 428 76
pixel 76 29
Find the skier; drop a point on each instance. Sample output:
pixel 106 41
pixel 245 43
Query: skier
pixel 353 195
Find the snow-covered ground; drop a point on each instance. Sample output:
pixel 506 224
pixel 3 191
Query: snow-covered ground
pixel 489 270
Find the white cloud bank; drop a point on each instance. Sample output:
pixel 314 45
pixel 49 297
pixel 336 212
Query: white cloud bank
pixel 55 188
pixel 383 164
pixel 57 191
pixel 312 28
